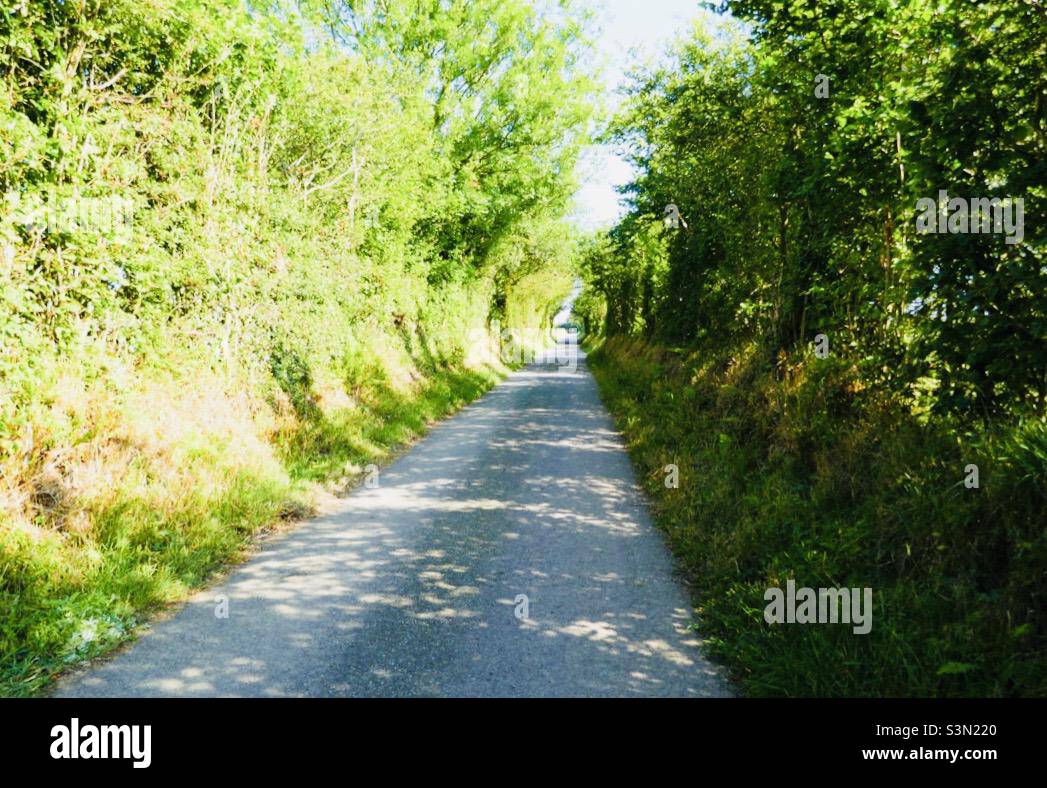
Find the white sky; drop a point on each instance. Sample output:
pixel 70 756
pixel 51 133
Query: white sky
pixel 633 31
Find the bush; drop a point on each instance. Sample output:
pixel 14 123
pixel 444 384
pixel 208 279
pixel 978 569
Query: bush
pixel 312 257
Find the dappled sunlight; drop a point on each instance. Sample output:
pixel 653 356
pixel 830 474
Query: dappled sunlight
pixel 593 630
pixel 415 587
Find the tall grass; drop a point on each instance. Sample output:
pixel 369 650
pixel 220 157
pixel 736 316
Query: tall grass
pixel 806 475
pixel 136 501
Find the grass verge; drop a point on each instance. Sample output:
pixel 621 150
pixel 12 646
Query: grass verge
pixel 805 476
pixel 137 502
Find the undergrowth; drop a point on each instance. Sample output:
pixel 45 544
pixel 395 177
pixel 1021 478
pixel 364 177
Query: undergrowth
pixel 139 519
pixel 805 475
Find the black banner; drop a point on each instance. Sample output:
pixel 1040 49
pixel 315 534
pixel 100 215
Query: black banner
pixel 145 738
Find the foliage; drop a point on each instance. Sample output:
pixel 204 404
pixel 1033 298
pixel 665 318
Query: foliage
pixel 812 478
pixel 801 208
pixel 799 216
pixel 331 202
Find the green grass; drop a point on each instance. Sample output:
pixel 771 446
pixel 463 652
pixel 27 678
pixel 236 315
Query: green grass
pixel 68 595
pixel 814 479
pixel 320 446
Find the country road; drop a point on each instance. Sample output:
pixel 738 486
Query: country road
pixel 416 587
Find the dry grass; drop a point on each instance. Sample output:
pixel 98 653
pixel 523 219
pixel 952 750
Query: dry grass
pixel 126 492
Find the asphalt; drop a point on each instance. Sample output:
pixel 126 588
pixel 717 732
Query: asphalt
pixel 413 588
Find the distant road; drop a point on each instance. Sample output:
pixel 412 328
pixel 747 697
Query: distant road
pixel 417 587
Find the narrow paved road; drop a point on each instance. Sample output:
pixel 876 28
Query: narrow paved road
pixel 413 588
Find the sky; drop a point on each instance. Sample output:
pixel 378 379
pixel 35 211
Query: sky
pixel 633 31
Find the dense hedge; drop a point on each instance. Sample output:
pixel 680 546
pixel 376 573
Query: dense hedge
pixel 329 203
pixel 826 368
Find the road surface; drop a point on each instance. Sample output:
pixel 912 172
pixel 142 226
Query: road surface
pixel 508 553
